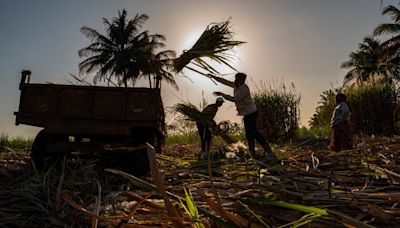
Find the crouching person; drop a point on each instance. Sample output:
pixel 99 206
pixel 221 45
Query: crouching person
pixel 206 129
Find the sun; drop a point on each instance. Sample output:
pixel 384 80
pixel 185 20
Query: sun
pixel 191 38
pixel 188 42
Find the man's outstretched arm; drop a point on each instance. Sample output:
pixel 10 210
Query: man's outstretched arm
pixel 240 94
pixel 222 80
pixel 225 96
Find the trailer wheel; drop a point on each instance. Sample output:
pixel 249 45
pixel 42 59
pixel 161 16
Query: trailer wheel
pixel 140 164
pixel 38 152
pixel 157 141
pixel 160 142
pixel 42 158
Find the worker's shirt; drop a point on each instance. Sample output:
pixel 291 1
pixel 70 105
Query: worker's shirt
pixel 243 101
pixel 340 114
pixel 210 111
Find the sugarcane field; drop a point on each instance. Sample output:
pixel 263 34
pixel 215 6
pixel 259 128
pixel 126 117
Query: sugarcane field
pixel 311 186
pixel 268 114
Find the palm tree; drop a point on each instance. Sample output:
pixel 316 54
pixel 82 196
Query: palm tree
pixel 156 66
pixel 391 45
pixel 369 62
pixel 125 53
pixel 392 29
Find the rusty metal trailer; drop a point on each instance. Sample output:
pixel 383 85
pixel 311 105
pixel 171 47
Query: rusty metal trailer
pixel 90 119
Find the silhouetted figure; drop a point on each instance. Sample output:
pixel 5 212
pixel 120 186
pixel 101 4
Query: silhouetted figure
pixel 340 123
pixel 246 108
pixel 206 129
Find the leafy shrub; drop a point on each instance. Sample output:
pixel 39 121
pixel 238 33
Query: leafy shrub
pixel 372 108
pixel 278 111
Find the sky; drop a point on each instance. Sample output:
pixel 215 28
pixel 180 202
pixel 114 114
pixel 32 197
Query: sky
pixel 292 41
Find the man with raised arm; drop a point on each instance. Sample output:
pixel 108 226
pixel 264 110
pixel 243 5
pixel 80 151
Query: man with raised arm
pixel 245 107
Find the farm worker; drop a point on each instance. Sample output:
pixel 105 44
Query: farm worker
pixel 206 129
pixel 340 124
pixel 245 107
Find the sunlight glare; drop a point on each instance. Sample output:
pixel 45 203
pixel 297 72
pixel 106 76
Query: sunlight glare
pixel 191 38
pixel 201 80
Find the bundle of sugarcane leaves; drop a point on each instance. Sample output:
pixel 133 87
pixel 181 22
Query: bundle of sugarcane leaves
pixel 213 43
pixel 190 112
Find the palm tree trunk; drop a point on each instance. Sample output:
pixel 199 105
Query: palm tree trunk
pixel 125 80
pixel 158 81
pixel 150 81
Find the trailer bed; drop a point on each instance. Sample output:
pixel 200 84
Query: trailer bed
pixel 75 109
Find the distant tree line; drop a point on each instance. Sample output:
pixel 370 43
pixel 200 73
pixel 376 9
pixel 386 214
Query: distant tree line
pixel 371 84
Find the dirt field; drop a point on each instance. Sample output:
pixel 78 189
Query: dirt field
pixel 310 185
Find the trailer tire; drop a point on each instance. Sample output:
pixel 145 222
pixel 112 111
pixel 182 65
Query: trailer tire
pixel 160 141
pixel 156 140
pixel 43 159
pixel 140 162
pixel 38 151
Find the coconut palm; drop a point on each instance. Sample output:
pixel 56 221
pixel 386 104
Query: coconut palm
pixel 125 53
pixel 391 45
pixel 371 61
pixel 324 109
pixel 392 29
pixel 157 66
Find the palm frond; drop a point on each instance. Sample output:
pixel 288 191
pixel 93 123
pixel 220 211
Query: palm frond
pixel 387 29
pixel 95 36
pixel 393 11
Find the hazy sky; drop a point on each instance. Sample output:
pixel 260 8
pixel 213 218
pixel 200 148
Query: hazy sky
pixel 299 41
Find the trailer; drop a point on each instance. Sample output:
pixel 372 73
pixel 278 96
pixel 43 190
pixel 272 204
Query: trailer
pixel 113 122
